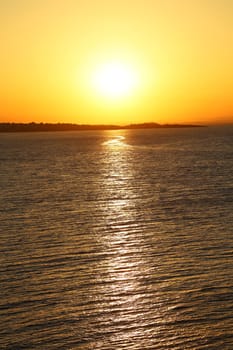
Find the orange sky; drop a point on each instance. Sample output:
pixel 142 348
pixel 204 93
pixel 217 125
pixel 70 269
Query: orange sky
pixel 181 50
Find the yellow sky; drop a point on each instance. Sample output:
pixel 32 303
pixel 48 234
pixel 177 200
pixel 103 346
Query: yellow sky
pixel 182 51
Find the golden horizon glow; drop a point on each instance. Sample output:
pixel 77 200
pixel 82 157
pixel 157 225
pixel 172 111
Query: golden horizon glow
pixel 171 61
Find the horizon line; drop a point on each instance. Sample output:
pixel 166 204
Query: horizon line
pixel 34 127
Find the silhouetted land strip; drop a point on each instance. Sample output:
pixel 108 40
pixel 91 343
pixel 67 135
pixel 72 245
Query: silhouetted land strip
pixel 38 127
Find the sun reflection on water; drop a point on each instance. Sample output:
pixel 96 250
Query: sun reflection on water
pixel 117 140
pixel 125 272
pixel 123 239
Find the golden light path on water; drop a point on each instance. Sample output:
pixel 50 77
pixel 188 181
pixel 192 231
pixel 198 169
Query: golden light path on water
pixel 118 183
pixel 128 266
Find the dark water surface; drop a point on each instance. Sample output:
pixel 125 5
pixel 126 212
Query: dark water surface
pixel 117 239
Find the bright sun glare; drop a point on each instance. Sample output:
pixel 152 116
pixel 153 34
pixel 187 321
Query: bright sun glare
pixel 115 80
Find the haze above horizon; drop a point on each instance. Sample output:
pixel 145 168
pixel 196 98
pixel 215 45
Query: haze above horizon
pixel 116 62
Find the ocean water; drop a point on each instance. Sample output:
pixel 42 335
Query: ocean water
pixel 117 239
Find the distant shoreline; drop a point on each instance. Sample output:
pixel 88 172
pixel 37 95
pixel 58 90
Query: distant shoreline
pixel 41 127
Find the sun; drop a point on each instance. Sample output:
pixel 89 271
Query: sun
pixel 115 80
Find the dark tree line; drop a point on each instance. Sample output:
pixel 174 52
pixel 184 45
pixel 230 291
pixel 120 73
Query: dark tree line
pixel 37 127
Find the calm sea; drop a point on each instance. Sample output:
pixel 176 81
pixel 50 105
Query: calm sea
pixel 117 239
